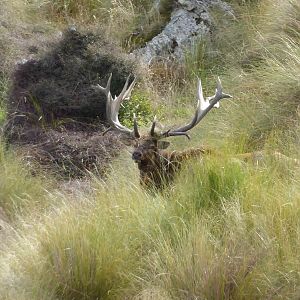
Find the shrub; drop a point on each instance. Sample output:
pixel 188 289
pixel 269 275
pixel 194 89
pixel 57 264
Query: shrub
pixel 139 104
pixel 75 64
pixel 54 109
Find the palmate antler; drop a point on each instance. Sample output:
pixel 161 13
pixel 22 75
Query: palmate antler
pixel 203 107
pixel 113 106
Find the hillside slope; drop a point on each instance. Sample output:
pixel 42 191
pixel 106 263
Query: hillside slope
pixel 225 229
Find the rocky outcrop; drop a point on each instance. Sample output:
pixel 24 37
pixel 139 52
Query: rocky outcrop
pixel 189 22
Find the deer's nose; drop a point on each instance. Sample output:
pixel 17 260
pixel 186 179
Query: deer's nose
pixel 136 155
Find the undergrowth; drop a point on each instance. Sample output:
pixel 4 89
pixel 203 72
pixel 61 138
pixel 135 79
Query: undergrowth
pixel 225 229
pixel 20 192
pixel 220 237
pixel 4 85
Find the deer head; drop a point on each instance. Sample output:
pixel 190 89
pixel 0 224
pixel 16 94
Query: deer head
pixel 147 148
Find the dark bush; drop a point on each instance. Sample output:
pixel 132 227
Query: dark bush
pixel 55 113
pixel 60 84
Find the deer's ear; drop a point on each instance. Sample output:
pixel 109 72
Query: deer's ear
pixel 163 145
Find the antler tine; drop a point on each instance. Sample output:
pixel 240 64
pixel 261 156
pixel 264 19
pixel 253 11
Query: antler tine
pixel 105 90
pixel 177 133
pixel 212 101
pixel 125 94
pixel 135 127
pixel 113 105
pixel 152 131
pixel 203 107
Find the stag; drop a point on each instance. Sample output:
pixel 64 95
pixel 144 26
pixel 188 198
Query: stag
pixel 158 166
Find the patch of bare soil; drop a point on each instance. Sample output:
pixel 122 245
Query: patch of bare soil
pixel 55 116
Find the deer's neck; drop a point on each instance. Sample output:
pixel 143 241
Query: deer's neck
pixel 164 165
pixel 156 171
pixel 150 165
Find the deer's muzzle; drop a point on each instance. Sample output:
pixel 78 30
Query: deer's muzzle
pixel 136 156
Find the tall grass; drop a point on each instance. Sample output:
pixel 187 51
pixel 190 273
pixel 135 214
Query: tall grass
pixel 101 249
pixel 208 240
pixel 4 85
pixel 231 250
pixel 20 192
pixel 109 15
pixel 130 22
pixel 224 230
pixel 255 58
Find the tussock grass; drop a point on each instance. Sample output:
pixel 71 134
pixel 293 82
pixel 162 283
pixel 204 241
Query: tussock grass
pixel 225 230
pixel 131 23
pixel 20 192
pixel 230 252
pixel 87 10
pixel 224 243
pixel 4 85
pixel 92 249
pixel 260 69
pixel 118 19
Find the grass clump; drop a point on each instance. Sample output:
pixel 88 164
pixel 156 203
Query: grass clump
pixel 131 22
pixel 123 242
pixel 4 84
pixel 20 192
pixel 226 229
pixel 67 9
pixel 233 250
pixel 260 69
pixel 139 105
pixel 90 250
pixel 205 185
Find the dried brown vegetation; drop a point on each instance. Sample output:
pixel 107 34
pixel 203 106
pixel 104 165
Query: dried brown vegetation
pixel 56 113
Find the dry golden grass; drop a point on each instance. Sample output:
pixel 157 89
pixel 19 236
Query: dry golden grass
pixel 225 230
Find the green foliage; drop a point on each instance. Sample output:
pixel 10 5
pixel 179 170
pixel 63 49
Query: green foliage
pixel 208 184
pixel 139 105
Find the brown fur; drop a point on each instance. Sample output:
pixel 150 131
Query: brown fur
pixel 158 167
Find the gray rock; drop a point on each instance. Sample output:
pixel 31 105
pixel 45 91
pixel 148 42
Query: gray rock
pixel 190 21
